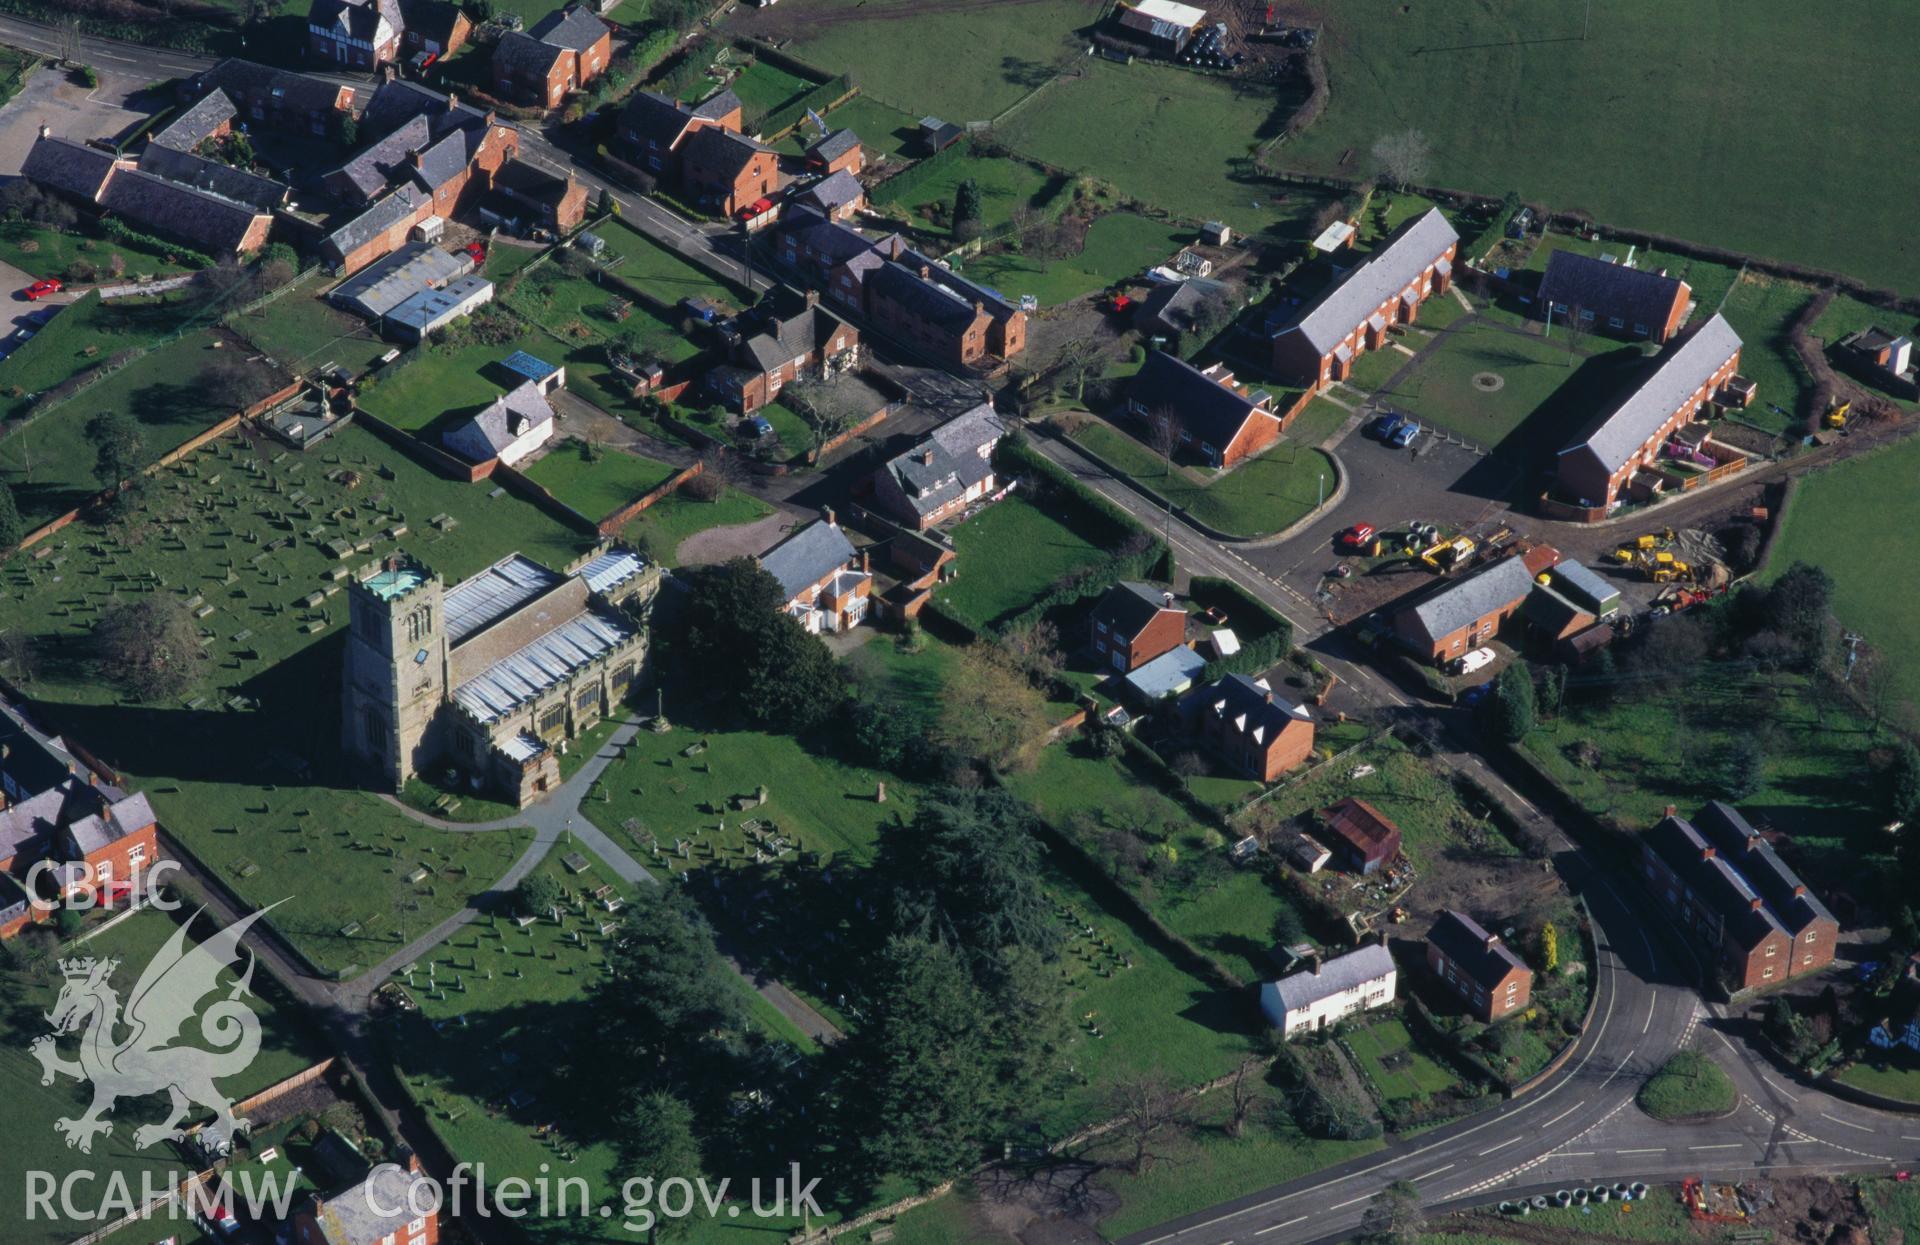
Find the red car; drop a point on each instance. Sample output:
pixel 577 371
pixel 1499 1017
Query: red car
pixel 1356 537
pixel 477 251
pixel 41 288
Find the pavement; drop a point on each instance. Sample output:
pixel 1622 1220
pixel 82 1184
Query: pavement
pixel 53 98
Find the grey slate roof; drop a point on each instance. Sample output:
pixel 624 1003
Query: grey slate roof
pixel 1251 708
pixel 807 557
pixel 263 193
pixel 798 328
pixel 1391 268
pixel 1481 956
pixel 831 240
pixel 716 105
pixel 30 762
pixel 197 216
pixel 353 1217
pixel 283 86
pixel 523 54
pixel 1686 364
pixel 376 219
pixel 1343 972
pixel 572 27
pixel 399 101
pixel 722 151
pixel 1712 856
pixel 378 163
pixel 1176 305
pixel 30 823
pixel 974 431
pixel 931 299
pixel 391 280
pixel 834 191
pixel 442 162
pixel 833 146
pixel 105 828
pixel 952 459
pixel 65 165
pixel 531 183
pixel 1723 825
pixel 1207 409
pixel 651 115
pixel 940 274
pixel 192 126
pixel 1129 606
pixel 1476 596
pixel 505 420
pixel 1635 295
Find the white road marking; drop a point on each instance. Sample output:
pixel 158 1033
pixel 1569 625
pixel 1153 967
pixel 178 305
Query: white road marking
pixel 1644 1150
pixel 1503 1145
pixel 1435 1172
pixel 1276 1227
pixel 1652 998
pixel 1350 1202
pixel 1571 1154
pixel 1725 1145
pixel 1848 1123
pixel 1564 1114
pixel 1783 1091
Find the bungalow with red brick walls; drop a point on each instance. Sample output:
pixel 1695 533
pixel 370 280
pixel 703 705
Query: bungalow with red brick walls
pixel 110 847
pixel 1595 468
pixel 823 582
pixel 837 196
pixel 1206 410
pixel 1609 297
pixel 1361 837
pixel 1490 979
pixel 1256 733
pixel 287 101
pixel 1353 316
pixel 390 1206
pixel 795 339
pixel 524 193
pixel 1460 615
pixel 564 52
pixel 434 28
pixel 944 474
pixel 654 127
pixel 838 152
pixel 354 34
pixel 1133 624
pixel 724 171
pixel 1733 895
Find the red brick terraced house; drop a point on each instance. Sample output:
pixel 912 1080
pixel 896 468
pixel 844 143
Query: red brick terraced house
pixel 726 172
pixel 1609 297
pixel 434 28
pixel 1133 624
pixel 564 52
pixel 1210 413
pixel 1353 316
pixel 354 34
pixel 797 339
pixel 1490 979
pixel 944 474
pixel 524 192
pixel 105 849
pixel 1733 895
pixel 1460 615
pixel 1596 467
pixel 1256 733
pixel 834 256
pixel 1361 836
pixel 657 133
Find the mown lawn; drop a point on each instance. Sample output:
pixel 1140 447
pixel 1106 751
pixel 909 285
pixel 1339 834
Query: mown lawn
pixel 304 333
pixel 1260 496
pixel 1689 1084
pixel 1891 1074
pixel 639 260
pixel 1119 245
pixel 286 1047
pixel 661 527
pixel 1829 509
pixel 1006 186
pixel 86 333
pixel 762 88
pixel 1010 554
pixel 883 129
pixel 1507 97
pixel 595 483
pixel 43 252
pixel 1397 1068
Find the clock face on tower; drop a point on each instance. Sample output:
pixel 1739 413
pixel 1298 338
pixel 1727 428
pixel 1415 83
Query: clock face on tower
pixel 420 658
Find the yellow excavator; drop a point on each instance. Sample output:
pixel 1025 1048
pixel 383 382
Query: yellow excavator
pixel 1837 412
pixel 1445 555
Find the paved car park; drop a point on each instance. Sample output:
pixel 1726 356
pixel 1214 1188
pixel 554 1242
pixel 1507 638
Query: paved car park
pixel 69 109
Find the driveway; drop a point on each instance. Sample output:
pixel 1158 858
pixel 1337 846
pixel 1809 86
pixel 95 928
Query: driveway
pixel 52 98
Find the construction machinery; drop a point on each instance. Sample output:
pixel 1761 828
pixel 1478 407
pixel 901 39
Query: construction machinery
pixel 1837 411
pixel 1712 1203
pixel 1445 555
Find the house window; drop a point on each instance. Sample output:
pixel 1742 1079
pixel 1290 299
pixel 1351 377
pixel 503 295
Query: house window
pixel 1512 987
pixel 622 676
pixel 1640 330
pixel 1810 936
pixel 104 872
pixel 1614 322
pixel 1770 951
pixel 1585 314
pixel 136 853
pixel 1768 974
pixel 416 1227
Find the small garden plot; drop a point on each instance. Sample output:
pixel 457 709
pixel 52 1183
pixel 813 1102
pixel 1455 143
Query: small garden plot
pixel 286 1047
pixel 595 482
pixel 883 130
pixel 49 461
pixel 915 675
pixel 1386 1055
pixel 639 260
pixel 1006 186
pixel 85 253
pixel 1762 309
pixel 765 88
pixel 662 527
pixel 305 334
pixel 689 799
pixel 1118 246
pixel 795 434
pixel 1012 552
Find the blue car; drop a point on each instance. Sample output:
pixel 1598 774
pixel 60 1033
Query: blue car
pixel 1384 427
pixel 1405 434
pixel 1474 695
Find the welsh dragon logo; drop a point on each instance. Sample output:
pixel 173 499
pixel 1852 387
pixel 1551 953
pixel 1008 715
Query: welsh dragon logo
pixel 141 1051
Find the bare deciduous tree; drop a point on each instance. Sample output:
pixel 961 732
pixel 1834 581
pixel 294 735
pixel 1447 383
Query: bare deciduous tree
pixel 1576 325
pixel 1164 431
pixel 1245 1089
pixel 1404 157
pixel 1149 1114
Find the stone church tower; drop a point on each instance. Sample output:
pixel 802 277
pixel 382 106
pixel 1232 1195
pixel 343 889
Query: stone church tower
pixel 396 670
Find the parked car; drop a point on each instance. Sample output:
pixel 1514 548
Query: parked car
pixel 1356 537
pixel 1406 434
pixel 1385 426
pixel 42 288
pixel 1478 659
pixel 1474 695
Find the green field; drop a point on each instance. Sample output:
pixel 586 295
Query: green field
pixel 1169 137
pixel 1010 554
pixel 1006 186
pixel 639 260
pixel 661 527
pixel 286 1047
pixel 304 334
pixel 1640 123
pixel 596 483
pixel 86 333
pixel 883 130
pixel 1119 246
pixel 1877 490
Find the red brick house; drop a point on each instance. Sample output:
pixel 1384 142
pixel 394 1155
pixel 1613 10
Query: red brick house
pixel 837 196
pixel 838 152
pixel 110 846
pixel 434 28
pixel 354 34
pixel 290 102
pixel 1609 297
pixel 564 52
pixel 523 192
pixel 944 474
pixel 1361 837
pixel 1256 733
pixel 1133 624
pixel 823 582
pixel 1459 615
pixel 1732 895
pixel 796 339
pixel 1354 314
pixel 1595 468
pixel 725 171
pixel 210 206
pixel 1210 414
pixel 1490 979
pixel 378 1210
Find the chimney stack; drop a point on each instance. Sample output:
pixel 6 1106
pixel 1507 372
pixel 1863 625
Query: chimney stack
pixel 1313 963
pixel 1166 599
pixel 1756 903
pixel 1706 853
pixel 826 512
pixel 46 131
pixel 1800 891
pixel 1672 811
pixel 866 562
pixel 813 298
pixel 453 101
